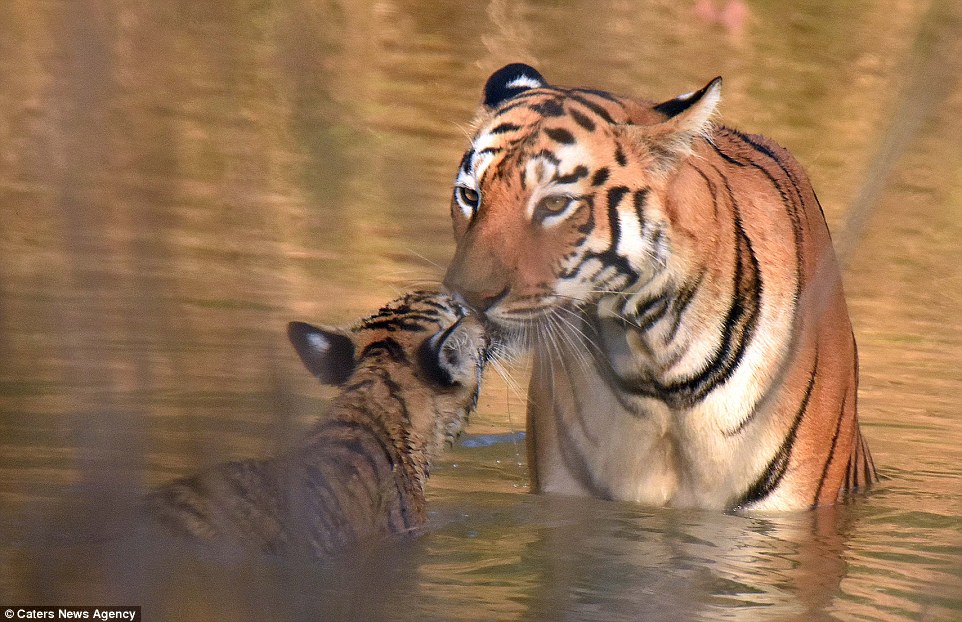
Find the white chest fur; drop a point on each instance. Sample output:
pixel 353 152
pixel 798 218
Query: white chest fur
pixel 593 437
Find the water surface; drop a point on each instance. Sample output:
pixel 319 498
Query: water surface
pixel 179 179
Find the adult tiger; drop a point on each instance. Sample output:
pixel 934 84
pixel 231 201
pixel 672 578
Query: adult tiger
pixel 410 376
pixel 677 282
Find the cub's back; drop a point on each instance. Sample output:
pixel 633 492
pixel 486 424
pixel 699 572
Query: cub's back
pixel 409 377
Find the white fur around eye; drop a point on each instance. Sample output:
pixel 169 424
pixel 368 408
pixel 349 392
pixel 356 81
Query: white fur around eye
pixel 549 221
pixel 468 208
pixel 539 171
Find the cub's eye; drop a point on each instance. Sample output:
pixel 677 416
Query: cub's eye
pixel 467 197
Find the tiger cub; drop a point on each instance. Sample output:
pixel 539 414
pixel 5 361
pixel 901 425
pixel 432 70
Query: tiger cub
pixel 409 377
pixel 677 284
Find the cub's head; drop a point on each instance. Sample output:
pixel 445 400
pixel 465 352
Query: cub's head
pixel 424 352
pixel 560 198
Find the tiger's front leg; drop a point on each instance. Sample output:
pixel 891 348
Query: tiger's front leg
pixel 588 443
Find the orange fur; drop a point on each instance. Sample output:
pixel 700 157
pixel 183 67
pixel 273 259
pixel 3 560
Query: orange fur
pixel 691 339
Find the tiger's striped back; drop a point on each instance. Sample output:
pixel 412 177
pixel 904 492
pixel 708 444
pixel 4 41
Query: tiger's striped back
pixel 677 284
pixel 409 378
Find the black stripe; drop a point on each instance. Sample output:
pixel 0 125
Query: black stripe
pixel 640 198
pixel 549 108
pixel 849 471
pixel 409 322
pixel 515 102
pixel 737 330
pixel 405 313
pixel 602 94
pixel 615 195
pixel 466 161
pixel 582 119
pixel 580 172
pixel 370 423
pixel 682 300
pixel 712 188
pixel 549 156
pixel 395 392
pixel 371 428
pixel 651 311
pixel 500 170
pixel 772 476
pixel 388 346
pixel 524 98
pixel 870 474
pixel 356 449
pixel 327 507
pixel 403 308
pixel 857 468
pixel 790 206
pixel 608 259
pixel 589 226
pixel 729 158
pixel 394 324
pixel 238 473
pixel 620 156
pixel 831 452
pixel 600 176
pixel 504 128
pixel 593 107
pixel 765 150
pixel 427 301
pixel 560 135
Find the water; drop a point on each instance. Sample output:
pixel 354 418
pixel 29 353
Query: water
pixel 179 179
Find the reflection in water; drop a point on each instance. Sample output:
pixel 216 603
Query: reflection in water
pixel 180 179
pixel 593 560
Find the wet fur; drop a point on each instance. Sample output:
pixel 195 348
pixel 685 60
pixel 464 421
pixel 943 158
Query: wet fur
pixel 413 372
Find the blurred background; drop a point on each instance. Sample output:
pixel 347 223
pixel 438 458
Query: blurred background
pixel 180 178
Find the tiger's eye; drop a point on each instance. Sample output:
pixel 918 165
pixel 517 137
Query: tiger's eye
pixel 554 204
pixel 468 196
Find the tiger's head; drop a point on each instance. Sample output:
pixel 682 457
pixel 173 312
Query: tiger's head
pixel 559 200
pixel 425 349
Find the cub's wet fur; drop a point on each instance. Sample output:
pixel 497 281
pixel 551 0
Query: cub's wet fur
pixel 409 378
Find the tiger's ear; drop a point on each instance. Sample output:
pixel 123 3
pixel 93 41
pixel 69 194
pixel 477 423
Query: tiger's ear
pixel 328 353
pixel 688 117
pixel 509 81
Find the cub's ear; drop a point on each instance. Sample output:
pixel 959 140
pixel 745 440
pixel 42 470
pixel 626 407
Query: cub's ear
pixel 328 353
pixel 455 356
pixel 688 117
pixel 509 81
